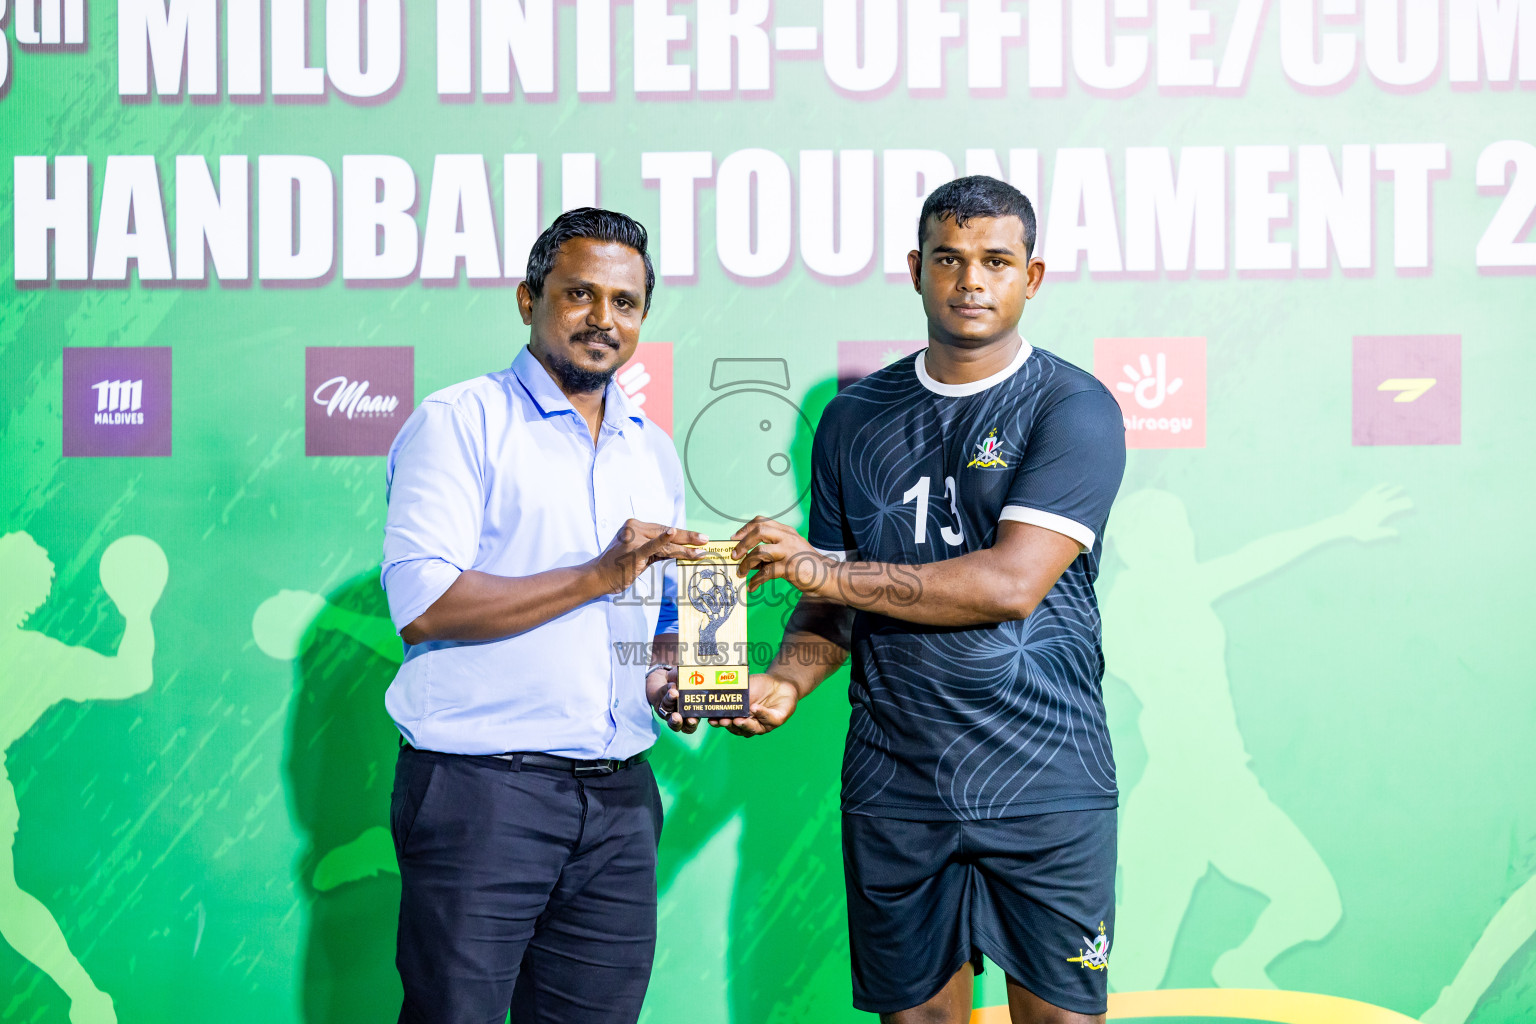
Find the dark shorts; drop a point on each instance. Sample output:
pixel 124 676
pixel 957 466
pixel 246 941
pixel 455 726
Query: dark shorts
pixel 1030 893
pixel 529 889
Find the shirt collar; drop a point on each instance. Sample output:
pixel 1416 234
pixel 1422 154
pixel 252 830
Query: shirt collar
pixel 546 394
pixel 976 386
pixel 618 408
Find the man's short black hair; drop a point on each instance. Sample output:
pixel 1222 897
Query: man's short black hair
pixel 977 195
pixel 587 222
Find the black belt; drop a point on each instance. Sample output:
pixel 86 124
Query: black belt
pixel 571 765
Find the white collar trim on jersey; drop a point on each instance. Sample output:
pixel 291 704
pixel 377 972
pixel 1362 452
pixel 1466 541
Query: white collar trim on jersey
pixel 976 386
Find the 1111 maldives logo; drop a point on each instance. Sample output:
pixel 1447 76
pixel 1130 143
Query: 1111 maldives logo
pixel 117 401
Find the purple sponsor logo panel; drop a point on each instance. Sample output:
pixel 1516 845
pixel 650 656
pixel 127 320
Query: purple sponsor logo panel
pixel 1407 389
pixel 356 399
pixel 858 359
pixel 117 402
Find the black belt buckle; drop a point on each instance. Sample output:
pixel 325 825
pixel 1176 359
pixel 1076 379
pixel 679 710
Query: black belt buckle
pixel 585 768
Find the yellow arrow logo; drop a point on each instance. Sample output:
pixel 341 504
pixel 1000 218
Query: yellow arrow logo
pixel 1408 388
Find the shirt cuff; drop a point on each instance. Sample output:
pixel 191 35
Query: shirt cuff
pixel 839 556
pixel 1050 521
pixel 414 586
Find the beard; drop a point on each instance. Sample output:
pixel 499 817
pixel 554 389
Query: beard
pixel 574 378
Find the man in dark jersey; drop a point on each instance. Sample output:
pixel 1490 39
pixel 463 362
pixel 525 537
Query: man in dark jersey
pixel 959 500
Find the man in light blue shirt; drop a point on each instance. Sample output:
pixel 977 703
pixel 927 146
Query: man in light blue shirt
pixel 530 513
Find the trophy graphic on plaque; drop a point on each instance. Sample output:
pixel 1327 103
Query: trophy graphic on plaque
pixel 710 592
pixel 712 645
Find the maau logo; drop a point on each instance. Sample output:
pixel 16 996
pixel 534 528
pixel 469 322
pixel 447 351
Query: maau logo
pixel 358 398
pixel 1160 385
pixel 117 401
pixel 351 398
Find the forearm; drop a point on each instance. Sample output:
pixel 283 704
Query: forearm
pixel 1004 582
pixel 482 606
pixel 664 649
pixel 972 590
pixel 805 661
pixel 815 645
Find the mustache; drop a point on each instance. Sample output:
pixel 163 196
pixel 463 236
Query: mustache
pixel 593 334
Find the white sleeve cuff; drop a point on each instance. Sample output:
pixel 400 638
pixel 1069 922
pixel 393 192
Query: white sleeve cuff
pixel 414 585
pixel 1050 521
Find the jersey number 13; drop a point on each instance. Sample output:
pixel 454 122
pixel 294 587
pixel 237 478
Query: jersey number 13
pixel 953 537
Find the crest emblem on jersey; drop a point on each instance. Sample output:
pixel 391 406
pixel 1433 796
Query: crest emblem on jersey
pixel 989 453
pixel 1096 956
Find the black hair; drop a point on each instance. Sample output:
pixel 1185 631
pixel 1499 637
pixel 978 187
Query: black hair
pixel 587 222
pixel 978 195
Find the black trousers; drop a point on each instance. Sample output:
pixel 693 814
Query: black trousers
pixel 529 889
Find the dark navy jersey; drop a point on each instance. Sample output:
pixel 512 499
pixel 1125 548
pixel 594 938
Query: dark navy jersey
pixel 989 721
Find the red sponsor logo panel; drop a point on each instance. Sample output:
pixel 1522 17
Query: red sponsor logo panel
pixel 1160 385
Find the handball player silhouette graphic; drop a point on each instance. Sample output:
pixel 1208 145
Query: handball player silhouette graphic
pixel 38 672
pixel 282 627
pixel 1199 804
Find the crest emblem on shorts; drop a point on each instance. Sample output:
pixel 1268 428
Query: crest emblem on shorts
pixel 989 453
pixel 1096 956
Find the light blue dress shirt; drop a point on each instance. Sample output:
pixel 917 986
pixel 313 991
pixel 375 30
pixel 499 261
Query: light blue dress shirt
pixel 500 474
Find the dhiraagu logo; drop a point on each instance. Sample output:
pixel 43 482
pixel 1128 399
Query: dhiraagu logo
pixel 647 380
pixel 1150 388
pixel 1160 385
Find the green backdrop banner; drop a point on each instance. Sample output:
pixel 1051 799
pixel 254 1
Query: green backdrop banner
pixel 239 240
